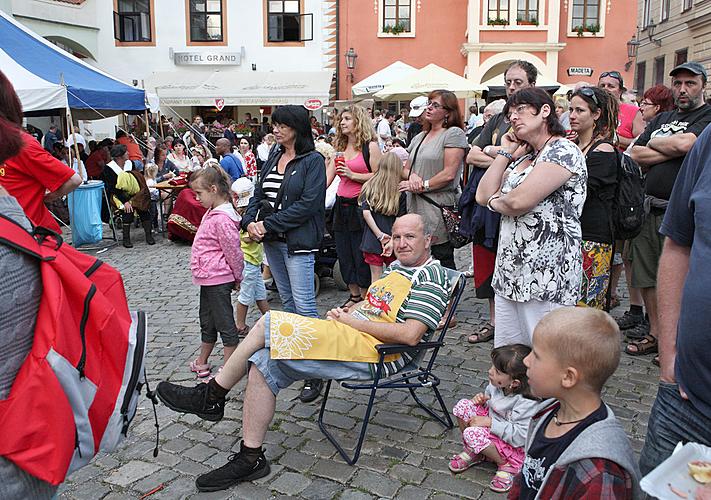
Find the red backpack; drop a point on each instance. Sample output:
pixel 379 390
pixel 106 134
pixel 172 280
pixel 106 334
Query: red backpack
pixel 77 390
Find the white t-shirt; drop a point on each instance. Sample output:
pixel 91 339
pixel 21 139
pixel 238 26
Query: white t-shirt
pixel 383 130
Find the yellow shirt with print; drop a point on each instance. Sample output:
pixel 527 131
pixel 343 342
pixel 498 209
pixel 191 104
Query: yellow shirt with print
pixel 253 250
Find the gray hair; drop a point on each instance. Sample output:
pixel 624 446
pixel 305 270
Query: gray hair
pixel 496 107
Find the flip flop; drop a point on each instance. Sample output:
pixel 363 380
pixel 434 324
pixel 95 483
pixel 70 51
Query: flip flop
pixel 485 334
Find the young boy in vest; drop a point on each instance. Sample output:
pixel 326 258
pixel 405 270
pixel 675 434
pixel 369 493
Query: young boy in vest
pixel 575 447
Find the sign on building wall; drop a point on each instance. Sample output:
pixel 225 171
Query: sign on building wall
pixel 579 71
pixel 207 58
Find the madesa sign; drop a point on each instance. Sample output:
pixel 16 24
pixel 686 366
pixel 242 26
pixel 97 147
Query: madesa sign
pixel 579 71
pixel 313 104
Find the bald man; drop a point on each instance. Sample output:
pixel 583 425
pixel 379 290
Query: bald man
pixel 404 306
pixel 229 162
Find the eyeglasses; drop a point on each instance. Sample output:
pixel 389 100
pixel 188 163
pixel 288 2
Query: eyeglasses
pixel 646 103
pixel 518 110
pixel 590 94
pixel 434 105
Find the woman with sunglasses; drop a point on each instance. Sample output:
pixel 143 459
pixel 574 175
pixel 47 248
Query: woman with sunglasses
pixel 593 116
pixel 630 120
pixel 434 167
pixel 537 183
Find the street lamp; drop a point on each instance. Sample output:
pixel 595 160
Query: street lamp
pixel 632 47
pixel 351 57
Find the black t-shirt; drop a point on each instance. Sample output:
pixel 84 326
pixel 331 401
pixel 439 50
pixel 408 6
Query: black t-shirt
pixel 494 129
pixel 602 182
pixel 661 177
pixel 370 242
pixel 544 452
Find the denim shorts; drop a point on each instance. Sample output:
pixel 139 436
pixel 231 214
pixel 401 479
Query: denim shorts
pixel 281 373
pixel 252 286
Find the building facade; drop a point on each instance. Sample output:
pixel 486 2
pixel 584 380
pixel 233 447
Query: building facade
pixel 671 32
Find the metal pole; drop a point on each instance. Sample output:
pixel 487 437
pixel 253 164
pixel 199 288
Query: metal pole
pixel 80 164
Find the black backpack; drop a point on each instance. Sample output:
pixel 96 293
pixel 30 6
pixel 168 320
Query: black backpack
pixel 628 204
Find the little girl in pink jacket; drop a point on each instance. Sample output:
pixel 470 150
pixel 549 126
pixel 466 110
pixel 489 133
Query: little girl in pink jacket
pixel 216 263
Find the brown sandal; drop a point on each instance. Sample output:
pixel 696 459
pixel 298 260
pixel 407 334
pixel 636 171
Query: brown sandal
pixel 352 300
pixel 645 345
pixel 485 334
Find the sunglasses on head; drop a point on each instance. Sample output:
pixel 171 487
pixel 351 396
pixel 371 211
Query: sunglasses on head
pixel 613 74
pixel 590 94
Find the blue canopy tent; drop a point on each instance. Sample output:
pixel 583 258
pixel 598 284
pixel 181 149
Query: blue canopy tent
pixel 49 80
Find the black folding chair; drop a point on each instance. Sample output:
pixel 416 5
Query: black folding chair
pixel 410 377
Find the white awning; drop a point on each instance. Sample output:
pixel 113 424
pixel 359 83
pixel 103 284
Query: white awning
pixel 240 88
pixel 378 80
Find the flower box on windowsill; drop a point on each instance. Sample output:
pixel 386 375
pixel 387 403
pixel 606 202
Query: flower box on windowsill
pixel 526 22
pixel 498 22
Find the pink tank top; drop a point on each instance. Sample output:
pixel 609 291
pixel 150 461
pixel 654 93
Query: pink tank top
pixel 627 114
pixel 348 188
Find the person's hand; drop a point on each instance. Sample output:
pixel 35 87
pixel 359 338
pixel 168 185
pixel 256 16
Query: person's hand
pixel 480 422
pixel 480 399
pixel 509 142
pixel 255 231
pixel 571 135
pixel 344 171
pixel 339 314
pixel 387 245
pixel 169 175
pixel 127 207
pixel 417 183
pixel 666 372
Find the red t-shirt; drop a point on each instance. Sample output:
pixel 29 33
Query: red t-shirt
pixel 95 163
pixel 29 174
pixel 134 150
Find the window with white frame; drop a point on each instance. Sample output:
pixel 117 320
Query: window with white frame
pixel 646 13
pixel 687 4
pixel 286 22
pixel 664 14
pixel 206 20
pixel 586 16
pixel 396 16
pixel 132 21
pixel 527 11
pixel 498 12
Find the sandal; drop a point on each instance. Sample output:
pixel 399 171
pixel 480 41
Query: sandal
pixel 503 479
pixel 463 460
pixel 352 300
pixel 201 371
pixel 485 334
pixel 452 323
pixel 643 346
pixel 655 360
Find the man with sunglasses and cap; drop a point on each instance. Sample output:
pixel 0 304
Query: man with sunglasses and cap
pixel 630 120
pixel 660 151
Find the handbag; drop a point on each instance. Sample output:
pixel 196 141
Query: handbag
pixel 450 213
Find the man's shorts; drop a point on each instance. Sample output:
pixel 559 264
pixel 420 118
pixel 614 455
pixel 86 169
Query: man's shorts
pixel 281 373
pixel 252 287
pixel 645 250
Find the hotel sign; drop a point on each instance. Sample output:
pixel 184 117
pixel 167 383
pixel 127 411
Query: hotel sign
pixel 207 58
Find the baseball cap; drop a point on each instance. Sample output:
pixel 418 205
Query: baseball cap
pixel 691 67
pixel 417 106
pixel 244 189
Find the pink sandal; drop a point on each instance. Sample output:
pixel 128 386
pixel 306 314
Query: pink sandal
pixel 463 461
pixel 201 371
pixel 503 480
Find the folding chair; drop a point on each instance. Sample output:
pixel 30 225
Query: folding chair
pixel 410 377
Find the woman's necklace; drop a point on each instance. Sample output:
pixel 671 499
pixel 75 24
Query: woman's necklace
pixel 535 155
pixel 588 144
pixel 559 423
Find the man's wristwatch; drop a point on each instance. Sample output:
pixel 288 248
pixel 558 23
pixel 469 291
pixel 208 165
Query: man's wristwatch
pixel 426 185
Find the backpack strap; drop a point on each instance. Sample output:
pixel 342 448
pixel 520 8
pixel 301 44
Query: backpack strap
pixel 17 237
pixel 365 149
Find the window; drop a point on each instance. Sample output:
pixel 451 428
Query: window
pixel 646 13
pixel 397 16
pixel 286 23
pixel 132 21
pixel 527 11
pixel 680 57
pixel 665 10
pixel 498 12
pixel 641 70
pixel 586 15
pixel 687 4
pixel 206 21
pixel 658 70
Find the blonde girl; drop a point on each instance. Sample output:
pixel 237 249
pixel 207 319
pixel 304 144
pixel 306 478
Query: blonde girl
pixel 381 202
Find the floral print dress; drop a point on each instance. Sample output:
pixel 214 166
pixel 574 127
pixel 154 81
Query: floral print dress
pixel 539 255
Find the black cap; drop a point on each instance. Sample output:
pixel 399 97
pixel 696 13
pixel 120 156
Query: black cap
pixel 691 67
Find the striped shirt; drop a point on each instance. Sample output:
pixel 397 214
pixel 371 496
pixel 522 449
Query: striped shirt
pixel 426 303
pixel 270 186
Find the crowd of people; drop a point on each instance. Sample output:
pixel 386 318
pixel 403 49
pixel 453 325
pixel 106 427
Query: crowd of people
pixel 537 181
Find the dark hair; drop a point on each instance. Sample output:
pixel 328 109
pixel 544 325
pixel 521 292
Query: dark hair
pixel 662 96
pixel 451 104
pixel 11 141
pixel 118 150
pixel 213 175
pixel 93 146
pixel 160 150
pixel 599 99
pixel 120 133
pixel 297 118
pixel 530 69
pixel 537 98
pixel 10 105
pixel 508 359
pixel 106 143
pixel 399 142
pixel 389 114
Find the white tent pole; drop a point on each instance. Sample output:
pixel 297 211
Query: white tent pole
pixel 80 164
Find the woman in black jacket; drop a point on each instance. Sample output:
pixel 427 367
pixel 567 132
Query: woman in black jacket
pixel 287 212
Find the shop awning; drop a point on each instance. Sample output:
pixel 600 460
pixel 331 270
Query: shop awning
pixel 378 80
pixel 427 79
pixel 240 88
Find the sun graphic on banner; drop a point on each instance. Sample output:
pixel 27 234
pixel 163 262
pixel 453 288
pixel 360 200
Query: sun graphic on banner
pixel 291 335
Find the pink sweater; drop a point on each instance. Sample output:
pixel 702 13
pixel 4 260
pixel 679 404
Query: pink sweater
pixel 216 256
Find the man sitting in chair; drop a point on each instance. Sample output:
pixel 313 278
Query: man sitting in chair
pixel 403 307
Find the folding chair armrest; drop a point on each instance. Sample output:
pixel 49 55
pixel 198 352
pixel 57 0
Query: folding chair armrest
pixel 400 348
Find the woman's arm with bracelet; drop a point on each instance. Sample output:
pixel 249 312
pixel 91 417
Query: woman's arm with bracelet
pixel 453 158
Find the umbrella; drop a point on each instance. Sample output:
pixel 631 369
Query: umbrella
pixel 427 79
pixel 378 80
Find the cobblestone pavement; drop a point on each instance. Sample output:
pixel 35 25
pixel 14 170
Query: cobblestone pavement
pixel 405 454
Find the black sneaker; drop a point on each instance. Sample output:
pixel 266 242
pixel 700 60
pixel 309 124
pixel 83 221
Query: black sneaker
pixel 638 332
pixel 311 390
pixel 237 469
pixel 629 320
pixel 191 400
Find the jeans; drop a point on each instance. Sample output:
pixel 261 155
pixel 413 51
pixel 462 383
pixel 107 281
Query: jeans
pixel 672 419
pixel 294 276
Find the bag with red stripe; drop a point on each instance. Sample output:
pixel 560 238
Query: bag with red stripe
pixel 77 391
